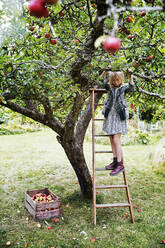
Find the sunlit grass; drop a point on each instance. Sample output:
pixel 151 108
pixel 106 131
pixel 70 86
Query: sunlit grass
pixel 36 160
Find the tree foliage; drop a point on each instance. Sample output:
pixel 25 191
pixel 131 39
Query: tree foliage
pixel 50 83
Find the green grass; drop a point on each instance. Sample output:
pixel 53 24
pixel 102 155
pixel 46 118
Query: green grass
pixel 36 160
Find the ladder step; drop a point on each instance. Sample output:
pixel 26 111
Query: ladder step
pixel 103 169
pixel 113 205
pixel 111 186
pixel 100 169
pixel 99 104
pixel 101 135
pixel 98 119
pixel 103 151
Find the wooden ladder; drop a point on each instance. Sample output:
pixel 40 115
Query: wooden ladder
pixel 95 187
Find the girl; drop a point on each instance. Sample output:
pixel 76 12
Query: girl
pixel 115 113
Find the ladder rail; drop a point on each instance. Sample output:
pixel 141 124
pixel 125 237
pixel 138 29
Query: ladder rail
pixel 93 157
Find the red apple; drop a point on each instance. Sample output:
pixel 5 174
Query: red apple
pixel 49 227
pixel 112 44
pixel 47 35
pixel 143 13
pixel 149 58
pixel 62 13
pixel 135 64
pixel 32 28
pixel 46 12
pixel 163 242
pixel 56 220
pixel 37 9
pixel 131 37
pixel 53 41
pixel 5 73
pixel 132 107
pixel 26 244
pixel 76 41
pixel 139 210
pixel 92 239
pixel 40 73
pixel 129 19
pixel 127 31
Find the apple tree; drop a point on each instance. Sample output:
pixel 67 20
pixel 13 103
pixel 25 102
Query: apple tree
pixel 47 71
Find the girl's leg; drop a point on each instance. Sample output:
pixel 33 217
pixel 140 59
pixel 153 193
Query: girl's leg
pixel 117 145
pixel 111 137
pixel 112 165
pixel 118 150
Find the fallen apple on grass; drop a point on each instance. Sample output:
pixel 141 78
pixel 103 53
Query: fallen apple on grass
pixel 56 220
pixel 92 239
pixel 8 243
pixel 49 227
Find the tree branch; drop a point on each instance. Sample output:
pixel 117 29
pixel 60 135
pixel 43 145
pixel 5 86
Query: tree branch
pixel 44 65
pixel 85 55
pixel 35 115
pixel 72 117
pixel 150 93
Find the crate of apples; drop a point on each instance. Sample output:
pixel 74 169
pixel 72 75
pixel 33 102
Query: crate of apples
pixel 42 204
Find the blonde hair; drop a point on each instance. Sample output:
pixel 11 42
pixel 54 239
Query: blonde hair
pixel 116 75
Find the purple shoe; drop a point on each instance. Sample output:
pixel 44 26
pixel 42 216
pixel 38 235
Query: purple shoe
pixel 118 169
pixel 112 165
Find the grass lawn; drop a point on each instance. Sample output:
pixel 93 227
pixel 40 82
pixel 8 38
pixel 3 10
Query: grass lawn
pixel 36 160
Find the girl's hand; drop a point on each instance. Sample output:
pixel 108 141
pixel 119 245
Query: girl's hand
pixel 129 71
pixel 130 76
pixel 103 74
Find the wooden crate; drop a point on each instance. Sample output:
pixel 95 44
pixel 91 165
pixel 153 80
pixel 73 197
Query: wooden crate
pixel 42 210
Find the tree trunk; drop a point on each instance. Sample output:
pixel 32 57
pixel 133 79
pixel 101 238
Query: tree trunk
pixel 74 152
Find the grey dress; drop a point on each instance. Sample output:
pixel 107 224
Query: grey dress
pixel 113 124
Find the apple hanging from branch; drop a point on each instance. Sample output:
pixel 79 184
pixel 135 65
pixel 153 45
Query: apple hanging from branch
pixel 112 44
pixel 37 8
